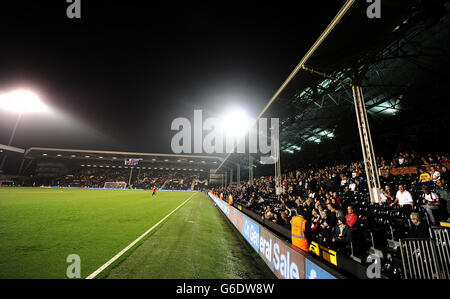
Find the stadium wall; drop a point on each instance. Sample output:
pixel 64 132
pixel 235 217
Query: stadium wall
pixel 284 261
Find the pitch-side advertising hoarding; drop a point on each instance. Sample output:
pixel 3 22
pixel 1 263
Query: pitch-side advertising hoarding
pixel 284 261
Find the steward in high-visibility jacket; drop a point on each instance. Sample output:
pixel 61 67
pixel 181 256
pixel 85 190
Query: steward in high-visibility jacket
pixel 298 233
pixel 230 199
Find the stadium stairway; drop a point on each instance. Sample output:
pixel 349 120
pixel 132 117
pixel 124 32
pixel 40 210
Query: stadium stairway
pixel 193 184
pixel 164 185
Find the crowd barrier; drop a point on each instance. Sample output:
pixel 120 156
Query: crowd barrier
pixel 341 261
pixel 408 169
pixel 285 261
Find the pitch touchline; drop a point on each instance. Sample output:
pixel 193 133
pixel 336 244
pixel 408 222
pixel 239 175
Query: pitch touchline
pixel 96 272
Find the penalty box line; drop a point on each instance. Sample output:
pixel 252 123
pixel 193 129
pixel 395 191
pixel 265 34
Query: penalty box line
pixel 114 258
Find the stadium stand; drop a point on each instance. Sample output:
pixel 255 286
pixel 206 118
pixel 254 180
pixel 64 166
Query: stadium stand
pixel 96 178
pixel 92 169
pixel 163 179
pixel 325 195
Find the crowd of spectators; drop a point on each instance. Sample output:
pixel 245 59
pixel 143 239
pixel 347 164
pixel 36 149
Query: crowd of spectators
pixel 411 159
pixel 91 177
pixel 97 177
pixel 335 200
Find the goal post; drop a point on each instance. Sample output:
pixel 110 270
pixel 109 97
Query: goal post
pixel 115 185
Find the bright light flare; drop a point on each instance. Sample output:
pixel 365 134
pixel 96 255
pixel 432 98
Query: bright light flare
pixel 22 101
pixel 236 123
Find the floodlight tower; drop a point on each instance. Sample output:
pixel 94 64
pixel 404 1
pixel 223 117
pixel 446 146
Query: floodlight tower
pixel 20 101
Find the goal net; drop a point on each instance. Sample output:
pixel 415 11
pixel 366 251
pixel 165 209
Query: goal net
pixel 115 185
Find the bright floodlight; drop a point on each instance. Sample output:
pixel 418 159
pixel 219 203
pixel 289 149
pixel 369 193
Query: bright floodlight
pixel 22 101
pixel 236 123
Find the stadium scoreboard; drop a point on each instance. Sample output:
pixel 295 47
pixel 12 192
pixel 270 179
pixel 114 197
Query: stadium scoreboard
pixel 132 162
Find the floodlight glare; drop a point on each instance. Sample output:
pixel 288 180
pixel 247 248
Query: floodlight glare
pixel 22 101
pixel 236 123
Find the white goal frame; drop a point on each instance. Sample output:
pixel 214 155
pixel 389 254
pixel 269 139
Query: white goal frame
pixel 115 185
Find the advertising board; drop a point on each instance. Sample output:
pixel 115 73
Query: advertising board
pixel 284 261
pixel 313 271
pixel 236 218
pixel 250 231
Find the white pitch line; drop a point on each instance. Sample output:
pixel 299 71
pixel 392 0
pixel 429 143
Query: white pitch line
pixel 99 270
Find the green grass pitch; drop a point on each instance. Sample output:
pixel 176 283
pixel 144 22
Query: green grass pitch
pixel 39 228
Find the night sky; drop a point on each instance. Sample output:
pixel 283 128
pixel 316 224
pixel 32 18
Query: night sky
pixel 126 69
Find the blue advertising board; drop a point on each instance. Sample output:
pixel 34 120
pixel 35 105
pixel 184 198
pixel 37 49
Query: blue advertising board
pixel 312 271
pixel 282 259
pixel 250 231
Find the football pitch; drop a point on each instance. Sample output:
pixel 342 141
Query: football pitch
pixel 40 228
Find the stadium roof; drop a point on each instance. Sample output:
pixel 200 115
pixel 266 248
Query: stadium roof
pixel 397 59
pixel 11 149
pixel 77 154
pixel 80 157
pixel 388 57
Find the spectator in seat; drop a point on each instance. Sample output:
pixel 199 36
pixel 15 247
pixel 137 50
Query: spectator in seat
pixel 315 220
pixel 351 218
pixel 389 194
pixel 335 182
pixel 327 197
pixel 403 197
pixel 445 175
pixel 277 219
pixel 320 208
pixel 268 215
pixel 431 203
pixel 325 227
pixel 261 199
pixel 418 229
pixel 383 198
pixel 444 195
pixel 344 181
pixel 342 235
pixel 339 211
pixel 309 206
pixel 286 220
pixel 352 186
pixel 347 196
pixel 250 203
pixel 424 177
pixel 431 159
pixel 336 211
pixel 435 175
pixel 335 198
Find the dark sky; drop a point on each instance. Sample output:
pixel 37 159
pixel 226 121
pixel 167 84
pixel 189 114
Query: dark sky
pixel 126 69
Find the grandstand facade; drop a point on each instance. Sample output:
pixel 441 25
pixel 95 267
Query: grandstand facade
pixel 91 168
